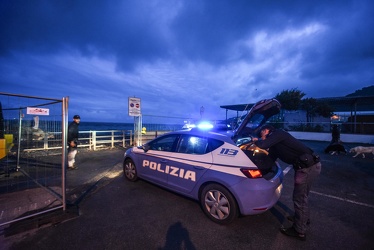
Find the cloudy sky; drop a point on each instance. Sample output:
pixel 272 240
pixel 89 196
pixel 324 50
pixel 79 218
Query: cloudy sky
pixel 179 55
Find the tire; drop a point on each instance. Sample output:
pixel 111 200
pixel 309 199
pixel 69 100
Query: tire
pixel 129 170
pixel 218 204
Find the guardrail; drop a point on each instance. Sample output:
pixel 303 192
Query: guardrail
pixel 88 139
pixel 93 140
pixel 97 139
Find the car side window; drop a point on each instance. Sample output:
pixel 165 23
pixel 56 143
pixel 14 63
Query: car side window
pixel 214 144
pixel 193 145
pixel 164 143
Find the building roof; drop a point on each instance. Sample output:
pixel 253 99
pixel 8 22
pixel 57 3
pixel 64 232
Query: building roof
pixel 338 104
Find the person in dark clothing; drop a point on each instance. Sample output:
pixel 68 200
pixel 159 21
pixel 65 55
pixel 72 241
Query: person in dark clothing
pixel 307 166
pixel 73 135
pixel 336 145
pixel 335 133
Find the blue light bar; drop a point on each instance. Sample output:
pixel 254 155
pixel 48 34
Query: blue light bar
pixel 205 125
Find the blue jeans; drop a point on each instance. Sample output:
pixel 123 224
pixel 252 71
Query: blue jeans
pixel 304 179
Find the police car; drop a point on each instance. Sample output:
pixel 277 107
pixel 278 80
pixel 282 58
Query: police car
pixel 226 179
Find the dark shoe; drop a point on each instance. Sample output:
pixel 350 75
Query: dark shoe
pixel 291 231
pixel 72 168
pixel 292 219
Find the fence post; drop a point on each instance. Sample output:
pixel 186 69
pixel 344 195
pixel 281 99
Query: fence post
pixel 45 141
pixel 112 138
pixel 90 140
pixel 94 140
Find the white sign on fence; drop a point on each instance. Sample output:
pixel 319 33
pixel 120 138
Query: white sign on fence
pixel 37 111
pixel 134 106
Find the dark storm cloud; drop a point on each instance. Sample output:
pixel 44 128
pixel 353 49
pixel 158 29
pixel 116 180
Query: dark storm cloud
pixel 123 29
pixel 205 28
pixel 180 55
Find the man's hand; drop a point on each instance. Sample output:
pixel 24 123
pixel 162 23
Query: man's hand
pixel 72 144
pixel 256 149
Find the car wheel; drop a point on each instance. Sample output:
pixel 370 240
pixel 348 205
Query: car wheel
pixel 129 170
pixel 218 204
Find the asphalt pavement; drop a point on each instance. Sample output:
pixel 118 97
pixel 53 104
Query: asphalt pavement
pixel 108 212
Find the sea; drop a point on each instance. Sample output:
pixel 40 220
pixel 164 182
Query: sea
pixel 104 126
pixel 11 126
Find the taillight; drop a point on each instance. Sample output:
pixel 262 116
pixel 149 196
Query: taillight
pixel 251 173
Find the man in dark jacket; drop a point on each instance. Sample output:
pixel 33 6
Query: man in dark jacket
pixel 73 134
pixel 306 165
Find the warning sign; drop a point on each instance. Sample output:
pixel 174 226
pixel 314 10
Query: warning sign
pixel 134 106
pixel 37 111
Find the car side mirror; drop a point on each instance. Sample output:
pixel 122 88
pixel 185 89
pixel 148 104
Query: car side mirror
pixel 145 147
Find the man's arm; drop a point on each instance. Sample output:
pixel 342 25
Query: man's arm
pixel 272 139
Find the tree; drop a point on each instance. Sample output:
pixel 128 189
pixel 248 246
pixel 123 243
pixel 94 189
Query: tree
pixel 324 109
pixel 290 99
pixel 309 105
pixel 314 108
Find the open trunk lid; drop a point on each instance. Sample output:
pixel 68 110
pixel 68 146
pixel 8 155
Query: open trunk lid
pixel 257 116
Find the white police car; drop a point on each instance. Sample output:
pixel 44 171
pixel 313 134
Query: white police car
pixel 211 168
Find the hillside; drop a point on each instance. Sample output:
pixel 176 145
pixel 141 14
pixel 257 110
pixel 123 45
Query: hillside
pixel 367 91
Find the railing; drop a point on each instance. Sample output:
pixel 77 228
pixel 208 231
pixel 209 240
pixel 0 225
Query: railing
pixel 98 139
pixel 346 127
pixel 88 139
pixel 94 140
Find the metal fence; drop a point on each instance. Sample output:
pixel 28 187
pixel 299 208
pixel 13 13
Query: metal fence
pixel 31 183
pixel 365 128
pixel 33 154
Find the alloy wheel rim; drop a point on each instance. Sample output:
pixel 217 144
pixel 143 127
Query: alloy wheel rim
pixel 217 204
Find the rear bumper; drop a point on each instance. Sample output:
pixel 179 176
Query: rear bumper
pixel 255 196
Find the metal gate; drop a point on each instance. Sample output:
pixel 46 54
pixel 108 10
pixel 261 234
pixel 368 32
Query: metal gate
pixel 32 182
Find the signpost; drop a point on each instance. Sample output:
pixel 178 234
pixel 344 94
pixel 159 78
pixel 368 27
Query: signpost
pixel 135 111
pixel 134 106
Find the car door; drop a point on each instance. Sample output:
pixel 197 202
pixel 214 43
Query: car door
pixel 188 163
pixel 155 160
